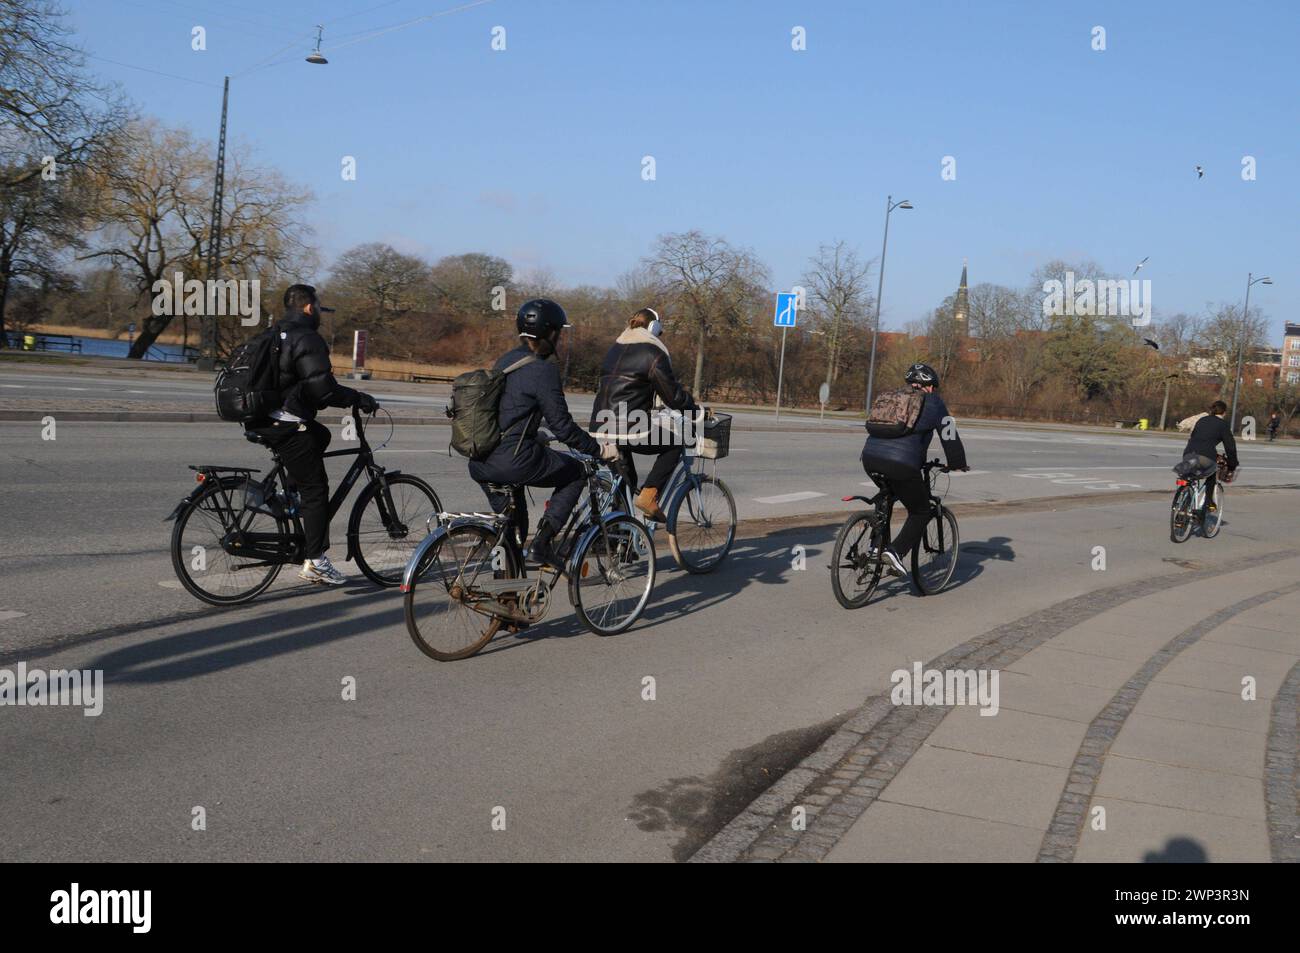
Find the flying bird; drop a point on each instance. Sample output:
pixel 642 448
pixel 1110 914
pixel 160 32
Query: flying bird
pixel 1141 263
pixel 1152 343
pixel 1200 173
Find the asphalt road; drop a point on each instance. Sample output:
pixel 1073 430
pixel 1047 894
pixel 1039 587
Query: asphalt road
pixel 241 711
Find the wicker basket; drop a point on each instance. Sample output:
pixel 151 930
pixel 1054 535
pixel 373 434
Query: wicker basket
pixel 715 439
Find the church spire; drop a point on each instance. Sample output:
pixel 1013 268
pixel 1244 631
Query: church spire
pixel 961 307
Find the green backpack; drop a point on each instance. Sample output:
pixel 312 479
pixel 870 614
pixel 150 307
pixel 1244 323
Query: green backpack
pixel 475 404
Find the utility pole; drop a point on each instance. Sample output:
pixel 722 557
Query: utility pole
pixel 890 205
pixel 1241 345
pixel 208 353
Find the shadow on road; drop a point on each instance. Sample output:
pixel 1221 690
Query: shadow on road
pixel 215 644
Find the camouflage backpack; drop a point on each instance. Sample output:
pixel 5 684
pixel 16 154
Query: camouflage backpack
pixel 895 413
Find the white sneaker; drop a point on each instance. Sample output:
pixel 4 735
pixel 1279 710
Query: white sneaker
pixel 322 571
pixel 893 565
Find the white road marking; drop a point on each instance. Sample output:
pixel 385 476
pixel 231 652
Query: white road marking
pixel 170 583
pixel 788 497
pixel 7 614
pixel 19 386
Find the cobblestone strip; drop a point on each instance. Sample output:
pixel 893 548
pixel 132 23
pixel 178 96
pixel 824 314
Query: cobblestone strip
pixel 1062 837
pixel 841 779
pixel 1282 772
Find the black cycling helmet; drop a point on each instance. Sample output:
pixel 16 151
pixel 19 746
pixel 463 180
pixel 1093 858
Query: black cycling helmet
pixel 541 319
pixel 921 374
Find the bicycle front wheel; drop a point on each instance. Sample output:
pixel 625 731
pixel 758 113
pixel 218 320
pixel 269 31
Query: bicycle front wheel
pixel 1180 516
pixel 206 539
pixel 386 537
pixel 1213 520
pixel 855 562
pixel 613 574
pixel 703 519
pixel 934 560
pixel 446 616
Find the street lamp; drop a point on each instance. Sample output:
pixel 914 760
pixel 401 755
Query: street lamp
pixel 890 205
pixel 1245 316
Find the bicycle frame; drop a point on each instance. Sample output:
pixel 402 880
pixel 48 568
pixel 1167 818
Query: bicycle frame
pixel 272 546
pixel 501 526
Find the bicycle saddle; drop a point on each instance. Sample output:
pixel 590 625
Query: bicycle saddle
pixel 502 487
pixel 254 438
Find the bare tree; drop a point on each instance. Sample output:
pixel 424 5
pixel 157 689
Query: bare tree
pixel 467 286
pixel 712 284
pixel 153 206
pixel 379 284
pixel 50 110
pixel 838 296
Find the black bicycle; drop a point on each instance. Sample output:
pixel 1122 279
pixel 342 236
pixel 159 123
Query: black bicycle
pixel 233 533
pixel 468 580
pixel 857 562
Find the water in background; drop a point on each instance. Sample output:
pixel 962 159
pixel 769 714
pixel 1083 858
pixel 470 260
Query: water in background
pixel 105 347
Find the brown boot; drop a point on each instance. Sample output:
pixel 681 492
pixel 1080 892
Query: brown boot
pixel 647 501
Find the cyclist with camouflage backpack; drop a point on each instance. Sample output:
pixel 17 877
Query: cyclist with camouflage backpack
pixel 900 425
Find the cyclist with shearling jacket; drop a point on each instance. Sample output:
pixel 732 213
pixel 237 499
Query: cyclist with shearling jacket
pixel 635 371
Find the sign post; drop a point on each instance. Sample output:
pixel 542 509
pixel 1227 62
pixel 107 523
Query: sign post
pixel 358 354
pixel 787 309
pixel 823 397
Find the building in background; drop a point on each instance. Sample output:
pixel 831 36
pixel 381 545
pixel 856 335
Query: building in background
pixel 1290 365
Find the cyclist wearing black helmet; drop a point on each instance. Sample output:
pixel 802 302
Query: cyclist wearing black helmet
pixel 533 393
pixel 899 459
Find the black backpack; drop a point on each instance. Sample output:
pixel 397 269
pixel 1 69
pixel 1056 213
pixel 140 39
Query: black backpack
pixel 247 388
pixel 475 405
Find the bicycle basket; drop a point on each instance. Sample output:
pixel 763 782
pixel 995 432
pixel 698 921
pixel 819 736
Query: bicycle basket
pixel 1225 475
pixel 715 441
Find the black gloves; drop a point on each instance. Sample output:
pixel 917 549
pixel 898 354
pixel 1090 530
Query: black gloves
pixel 366 404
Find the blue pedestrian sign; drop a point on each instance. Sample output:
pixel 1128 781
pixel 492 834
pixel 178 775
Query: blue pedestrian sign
pixel 786 309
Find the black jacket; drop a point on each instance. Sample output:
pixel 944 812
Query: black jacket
pixel 306 381
pixel 533 395
pixel 1206 436
pixel 635 369
pixel 912 449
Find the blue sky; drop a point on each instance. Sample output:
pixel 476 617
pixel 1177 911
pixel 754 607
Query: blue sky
pixel 535 153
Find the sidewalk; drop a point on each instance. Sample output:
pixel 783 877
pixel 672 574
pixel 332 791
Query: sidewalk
pixel 1122 735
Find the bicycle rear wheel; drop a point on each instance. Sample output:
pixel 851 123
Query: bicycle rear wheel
pixel 613 575
pixel 703 519
pixel 1210 525
pixel 445 617
pixel 386 542
pixel 1180 515
pixel 855 561
pixel 202 563
pixel 934 560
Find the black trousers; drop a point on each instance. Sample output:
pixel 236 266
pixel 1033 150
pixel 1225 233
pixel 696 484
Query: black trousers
pixel 665 462
pixel 909 488
pixel 301 449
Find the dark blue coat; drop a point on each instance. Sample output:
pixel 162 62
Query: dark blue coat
pixel 533 395
pixel 911 450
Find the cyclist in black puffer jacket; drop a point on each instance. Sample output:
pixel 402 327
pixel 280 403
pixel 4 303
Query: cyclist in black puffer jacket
pixel 306 385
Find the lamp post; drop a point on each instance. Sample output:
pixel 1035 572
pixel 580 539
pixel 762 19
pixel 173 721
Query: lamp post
pixel 1245 317
pixel 890 205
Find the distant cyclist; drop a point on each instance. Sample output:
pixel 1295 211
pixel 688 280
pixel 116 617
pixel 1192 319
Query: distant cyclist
pixel 899 460
pixel 1202 450
pixel 1274 421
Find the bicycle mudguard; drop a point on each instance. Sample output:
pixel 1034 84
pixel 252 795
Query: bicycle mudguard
pixel 429 541
pixel 194 495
